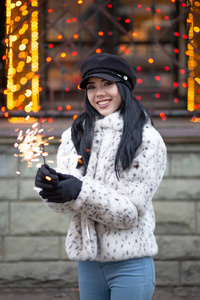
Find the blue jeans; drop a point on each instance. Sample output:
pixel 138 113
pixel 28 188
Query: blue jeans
pixel 132 279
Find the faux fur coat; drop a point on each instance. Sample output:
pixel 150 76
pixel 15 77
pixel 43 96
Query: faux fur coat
pixel 112 219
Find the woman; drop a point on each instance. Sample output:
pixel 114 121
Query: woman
pixel 109 166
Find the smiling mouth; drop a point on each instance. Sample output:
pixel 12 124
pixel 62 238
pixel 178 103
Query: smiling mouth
pixel 103 102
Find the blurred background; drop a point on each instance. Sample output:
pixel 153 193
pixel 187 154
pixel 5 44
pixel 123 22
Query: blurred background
pixel 42 46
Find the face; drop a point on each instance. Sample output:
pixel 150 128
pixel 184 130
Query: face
pixel 103 95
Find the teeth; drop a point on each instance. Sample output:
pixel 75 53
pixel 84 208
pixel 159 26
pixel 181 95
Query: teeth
pixel 103 102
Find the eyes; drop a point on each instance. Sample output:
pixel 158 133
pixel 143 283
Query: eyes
pixel 92 86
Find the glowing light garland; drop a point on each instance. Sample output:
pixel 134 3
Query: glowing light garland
pixel 22 55
pixel 193 96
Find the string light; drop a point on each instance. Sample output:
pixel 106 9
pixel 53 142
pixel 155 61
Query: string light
pixel 98 50
pixel 151 60
pixel 191 83
pixel 68 107
pixel 22 55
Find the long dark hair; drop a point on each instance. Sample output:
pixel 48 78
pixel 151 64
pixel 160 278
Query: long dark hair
pixel 134 115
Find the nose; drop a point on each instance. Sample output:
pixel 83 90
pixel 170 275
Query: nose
pixel 100 92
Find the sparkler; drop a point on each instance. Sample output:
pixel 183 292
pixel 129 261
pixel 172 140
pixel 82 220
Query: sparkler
pixel 31 145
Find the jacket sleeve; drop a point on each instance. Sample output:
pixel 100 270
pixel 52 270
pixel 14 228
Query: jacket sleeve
pixel 122 207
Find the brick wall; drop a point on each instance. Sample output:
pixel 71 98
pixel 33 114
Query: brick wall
pixel 32 237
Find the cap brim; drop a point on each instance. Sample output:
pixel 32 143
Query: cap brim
pixel 83 83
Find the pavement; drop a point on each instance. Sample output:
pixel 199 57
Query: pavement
pixel 161 293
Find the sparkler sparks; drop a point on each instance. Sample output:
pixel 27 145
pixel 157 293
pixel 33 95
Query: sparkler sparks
pixel 31 144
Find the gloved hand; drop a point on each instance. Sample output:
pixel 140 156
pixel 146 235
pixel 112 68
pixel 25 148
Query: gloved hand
pixel 41 180
pixel 65 191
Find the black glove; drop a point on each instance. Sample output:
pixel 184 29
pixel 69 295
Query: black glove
pixel 46 177
pixel 66 190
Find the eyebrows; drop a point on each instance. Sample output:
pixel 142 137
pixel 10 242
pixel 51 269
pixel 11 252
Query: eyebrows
pixel 92 82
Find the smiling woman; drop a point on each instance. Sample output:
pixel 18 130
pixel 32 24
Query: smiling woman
pixel 109 190
pixel 103 95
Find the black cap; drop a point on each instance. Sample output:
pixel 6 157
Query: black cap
pixel 107 66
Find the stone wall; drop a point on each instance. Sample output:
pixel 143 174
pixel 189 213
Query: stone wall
pixel 32 237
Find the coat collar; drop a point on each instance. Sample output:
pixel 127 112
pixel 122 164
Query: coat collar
pixel 113 121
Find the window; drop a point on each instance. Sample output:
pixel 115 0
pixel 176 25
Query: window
pixel 160 40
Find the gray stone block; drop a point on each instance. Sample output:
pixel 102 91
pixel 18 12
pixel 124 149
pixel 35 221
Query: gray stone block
pixel 62 250
pixel 175 189
pixel 167 170
pixel 27 191
pixel 40 274
pixel 185 164
pixel 178 247
pixel 8 147
pixel 4 220
pixel 190 274
pixel 51 293
pixel 167 273
pixel 28 171
pixel 31 248
pixel 8 165
pixel 175 217
pixel 9 189
pixel 1 248
pixel 198 217
pixel 36 218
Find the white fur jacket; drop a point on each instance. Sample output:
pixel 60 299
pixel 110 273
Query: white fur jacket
pixel 112 220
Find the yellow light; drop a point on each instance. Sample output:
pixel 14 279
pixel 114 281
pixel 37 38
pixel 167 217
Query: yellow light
pixel 17 19
pixel 21 31
pixel 23 80
pixel 18 3
pixel 98 50
pixel 28 59
pixel 28 93
pixel 21 64
pixel 19 69
pixel 25 12
pixel 23 55
pixel 197 80
pixel 35 13
pixel 18 86
pixel 22 47
pixel 21 98
pixel 13 88
pixel 196 29
pixel 191 83
pixel 13 38
pixel 21 120
pixel 29 75
pixel 23 7
pixel 25 26
pixel 10 71
pixel 25 41
pixel 34 34
pixel 27 108
pixel 34 66
pixel 34 3
pixel 151 60
pixel 63 54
